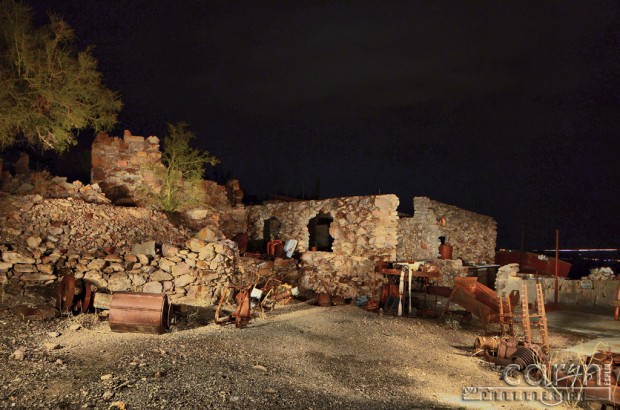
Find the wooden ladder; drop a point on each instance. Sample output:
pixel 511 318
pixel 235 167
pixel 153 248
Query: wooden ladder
pixel 539 318
pixel 506 316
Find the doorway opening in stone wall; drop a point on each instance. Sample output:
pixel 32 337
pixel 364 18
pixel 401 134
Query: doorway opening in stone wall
pixel 318 227
pixel 271 229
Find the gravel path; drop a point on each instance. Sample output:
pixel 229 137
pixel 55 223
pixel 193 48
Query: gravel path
pixel 298 357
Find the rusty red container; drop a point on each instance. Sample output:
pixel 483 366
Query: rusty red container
pixel 324 299
pixel 139 312
pixel 445 251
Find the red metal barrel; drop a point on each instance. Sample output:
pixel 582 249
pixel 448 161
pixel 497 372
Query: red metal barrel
pixel 139 312
pixel 445 251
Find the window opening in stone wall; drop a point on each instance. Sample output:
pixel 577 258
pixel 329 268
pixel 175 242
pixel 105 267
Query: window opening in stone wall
pixel 271 229
pixel 318 227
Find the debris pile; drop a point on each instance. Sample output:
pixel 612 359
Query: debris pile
pixel 45 239
pixel 36 225
pixel 44 184
pixel 604 273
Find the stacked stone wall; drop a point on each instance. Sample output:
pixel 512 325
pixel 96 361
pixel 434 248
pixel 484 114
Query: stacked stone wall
pixel 364 229
pixel 472 236
pixel 193 274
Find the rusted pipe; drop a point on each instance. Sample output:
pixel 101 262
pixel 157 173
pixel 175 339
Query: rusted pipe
pixel 486 343
pixel 139 312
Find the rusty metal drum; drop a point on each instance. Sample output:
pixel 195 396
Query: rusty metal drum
pixel 139 312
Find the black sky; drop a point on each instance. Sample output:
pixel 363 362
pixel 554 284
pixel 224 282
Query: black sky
pixel 506 108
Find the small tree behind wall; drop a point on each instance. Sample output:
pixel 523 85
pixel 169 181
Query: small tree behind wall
pixel 183 171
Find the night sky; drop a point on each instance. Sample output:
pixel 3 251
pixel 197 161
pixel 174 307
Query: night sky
pixel 509 109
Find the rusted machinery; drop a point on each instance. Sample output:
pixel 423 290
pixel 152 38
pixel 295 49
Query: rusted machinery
pixel 476 298
pixel 603 386
pixel 259 291
pixel 140 312
pixel 73 296
pixel 506 349
pixel 129 312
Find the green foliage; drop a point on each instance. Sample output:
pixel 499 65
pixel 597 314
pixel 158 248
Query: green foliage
pixel 48 89
pixel 184 170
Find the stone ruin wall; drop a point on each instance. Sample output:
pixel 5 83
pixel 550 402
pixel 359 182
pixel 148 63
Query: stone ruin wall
pixel 472 236
pixel 125 167
pixel 193 274
pixel 122 166
pixel 364 229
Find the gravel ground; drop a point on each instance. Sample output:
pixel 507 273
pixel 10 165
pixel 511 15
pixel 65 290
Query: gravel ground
pixel 299 356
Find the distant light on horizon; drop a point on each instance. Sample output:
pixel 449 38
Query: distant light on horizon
pixel 584 250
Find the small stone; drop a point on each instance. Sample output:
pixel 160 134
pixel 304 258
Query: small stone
pixel 107 395
pixel 51 345
pixel 152 287
pixel 106 377
pixel 168 250
pixel 53 334
pixel 195 244
pixel 259 367
pixel 5 266
pixel 76 326
pixel 59 362
pixel 33 242
pixel 37 277
pixel 270 390
pixel 19 355
pixel 145 248
pixel 207 234
pixel 96 264
pixel 183 280
pixel 181 269
pixel 160 275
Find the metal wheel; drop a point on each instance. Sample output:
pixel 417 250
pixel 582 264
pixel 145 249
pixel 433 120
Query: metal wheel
pixel 87 297
pixel 66 293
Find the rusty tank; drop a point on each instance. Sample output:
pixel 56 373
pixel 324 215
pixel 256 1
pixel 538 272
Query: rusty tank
pixel 139 312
